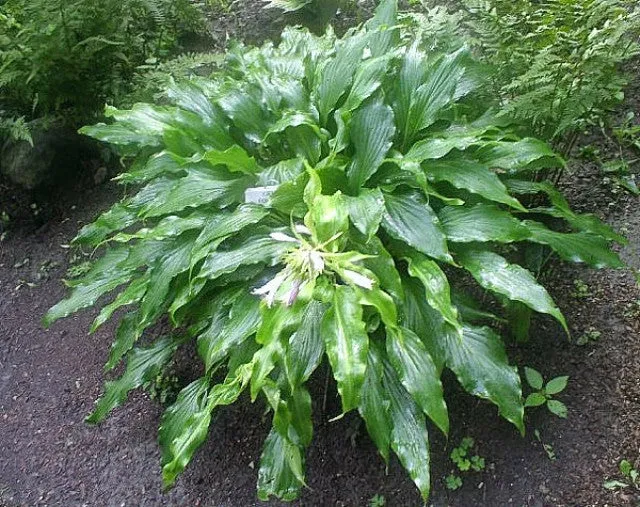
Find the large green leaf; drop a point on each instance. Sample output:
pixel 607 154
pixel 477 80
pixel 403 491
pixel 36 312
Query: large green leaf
pixel 367 80
pixel 494 273
pixel 372 131
pixel 306 346
pixel 428 90
pixel 188 417
pixel 470 175
pixel 482 222
pixel 132 294
pixel 161 276
pixel 384 33
pixel 337 74
pixel 409 218
pixel 418 374
pixel 576 247
pixel 106 274
pixel 366 211
pixel 236 159
pixel 127 334
pixel 347 344
pixel 517 155
pixel 257 250
pixel 374 406
pixel 119 217
pixel 198 187
pixel 143 364
pixel 280 469
pixel 217 341
pixel 409 437
pixel 437 291
pixel 425 322
pixel 480 362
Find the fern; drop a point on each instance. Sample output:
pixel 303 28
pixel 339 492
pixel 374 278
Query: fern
pixel 558 64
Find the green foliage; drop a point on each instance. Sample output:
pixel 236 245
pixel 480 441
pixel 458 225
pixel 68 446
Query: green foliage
pixel 377 501
pixel 543 394
pixel 61 58
pixel 589 336
pixel 462 458
pixel 453 482
pixel 312 199
pixel 631 477
pixel 15 128
pixel 559 64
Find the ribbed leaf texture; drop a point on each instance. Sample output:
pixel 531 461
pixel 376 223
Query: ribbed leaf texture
pixel 312 200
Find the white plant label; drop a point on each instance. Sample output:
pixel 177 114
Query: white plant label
pixel 259 195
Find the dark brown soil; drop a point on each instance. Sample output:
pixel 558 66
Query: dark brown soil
pixel 49 380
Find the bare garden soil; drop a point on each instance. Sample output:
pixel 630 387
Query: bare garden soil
pixel 49 380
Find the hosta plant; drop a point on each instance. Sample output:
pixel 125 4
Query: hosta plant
pixel 313 200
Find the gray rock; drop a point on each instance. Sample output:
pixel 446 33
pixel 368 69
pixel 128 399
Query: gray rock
pixel 55 155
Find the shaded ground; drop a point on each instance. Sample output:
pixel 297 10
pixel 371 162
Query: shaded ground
pixel 49 380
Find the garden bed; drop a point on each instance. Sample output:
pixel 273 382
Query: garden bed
pixel 50 379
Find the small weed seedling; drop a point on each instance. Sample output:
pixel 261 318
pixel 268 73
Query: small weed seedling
pixel 464 461
pixel 453 482
pixel 581 289
pixel 164 387
pixel 377 501
pixel 630 474
pixel 590 335
pixel 543 394
pixel 548 448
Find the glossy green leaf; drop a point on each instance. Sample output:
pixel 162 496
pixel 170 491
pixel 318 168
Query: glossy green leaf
pixel 105 275
pixel 253 251
pixel 482 223
pixel 409 437
pixel 119 217
pixel 198 187
pixel 409 218
pixel 132 294
pixel 372 131
pixel 494 273
pixel 558 408
pixel 367 80
pixel 347 344
pixel 143 364
pixel 535 400
pixel 184 428
pixel 437 290
pixel 280 469
pixel 426 322
pixel 337 74
pixel 556 385
pixel 382 28
pixel 418 374
pixel 576 247
pixel 518 155
pixel 366 211
pixel 236 159
pixel 534 379
pixel 306 346
pixel 472 176
pixel 218 341
pixel 480 362
pixel 374 405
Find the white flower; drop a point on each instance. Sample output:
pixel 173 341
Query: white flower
pixel 357 279
pixel 285 238
pixel 302 229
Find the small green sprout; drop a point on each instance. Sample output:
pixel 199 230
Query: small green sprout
pixel 543 394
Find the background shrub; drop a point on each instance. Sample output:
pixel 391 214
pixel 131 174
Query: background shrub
pixel 64 59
